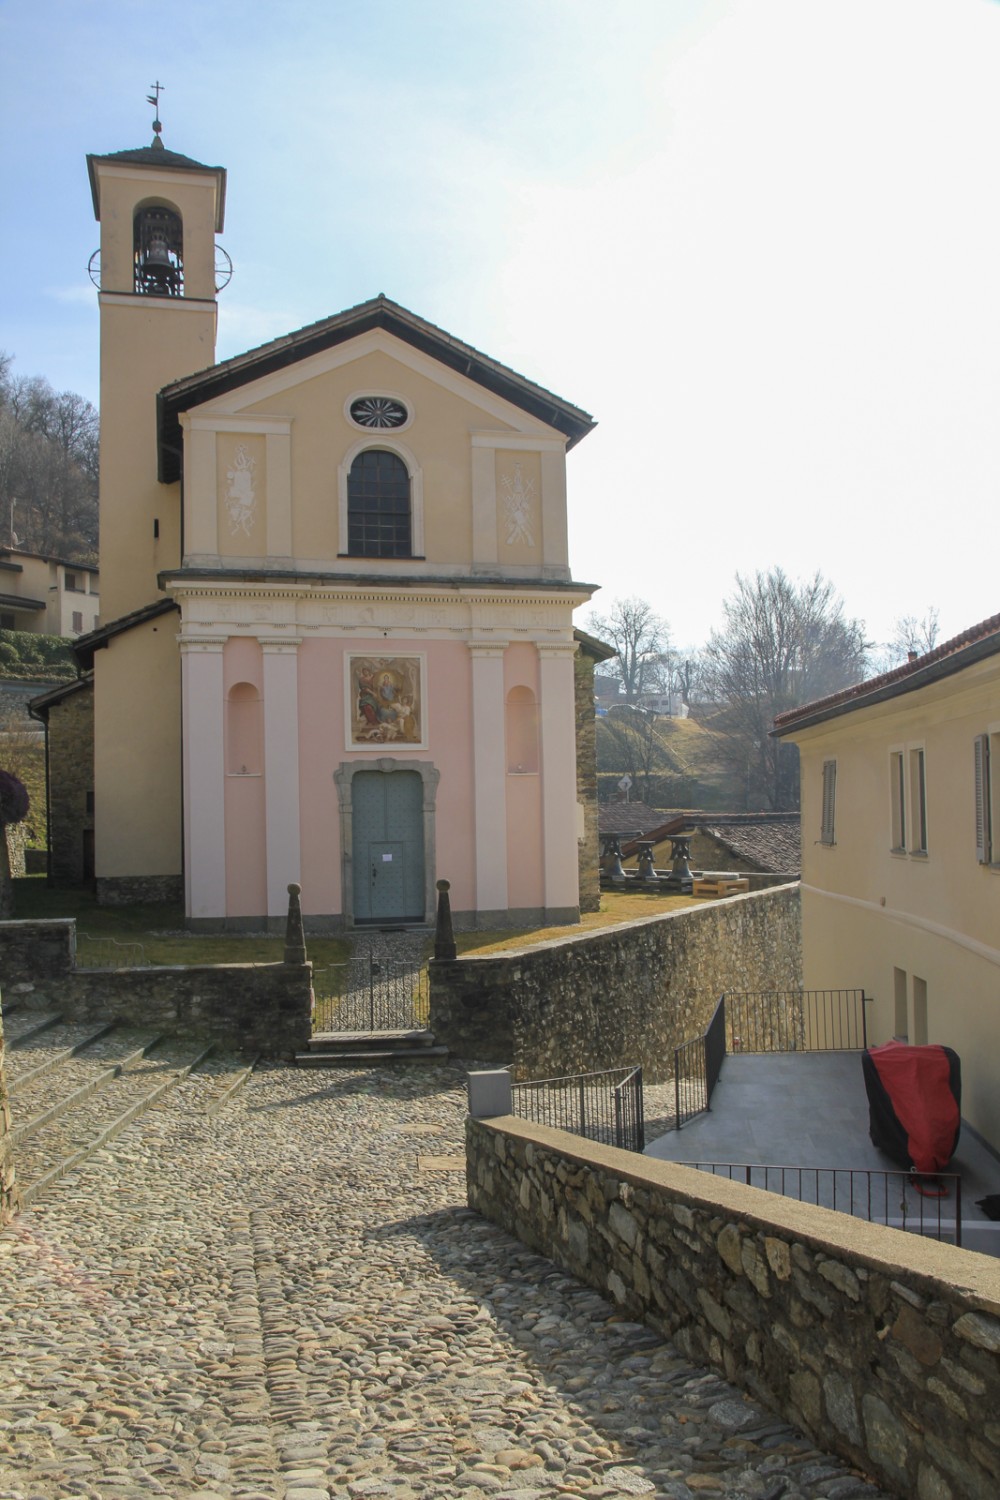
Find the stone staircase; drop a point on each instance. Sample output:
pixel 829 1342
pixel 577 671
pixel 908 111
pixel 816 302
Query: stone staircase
pixel 74 1086
pixel 368 1049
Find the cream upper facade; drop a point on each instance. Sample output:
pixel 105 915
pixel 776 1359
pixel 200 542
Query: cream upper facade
pixel 901 853
pixel 345 601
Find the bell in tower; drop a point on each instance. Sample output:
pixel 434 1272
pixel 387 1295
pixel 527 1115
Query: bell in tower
pixel 158 252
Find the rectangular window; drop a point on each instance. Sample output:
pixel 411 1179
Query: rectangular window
pixel 829 802
pixel 900 1033
pixel 984 820
pixel 77 621
pixel 918 803
pixel 897 796
pixel 74 585
pixel 919 1011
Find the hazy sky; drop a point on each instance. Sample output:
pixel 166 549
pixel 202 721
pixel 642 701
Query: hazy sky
pixel 758 239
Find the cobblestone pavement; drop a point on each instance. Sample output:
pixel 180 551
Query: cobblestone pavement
pixel 288 1298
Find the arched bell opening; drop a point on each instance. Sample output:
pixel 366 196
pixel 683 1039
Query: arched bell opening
pixel 158 251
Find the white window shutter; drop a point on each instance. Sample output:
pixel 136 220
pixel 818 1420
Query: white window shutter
pixel 829 801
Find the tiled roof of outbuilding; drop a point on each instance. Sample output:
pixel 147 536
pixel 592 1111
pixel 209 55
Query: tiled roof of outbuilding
pixel 631 817
pixel 771 841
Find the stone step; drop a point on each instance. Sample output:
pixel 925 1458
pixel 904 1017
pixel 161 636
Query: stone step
pixel 82 1121
pixel 346 1049
pixel 346 1041
pixel 375 1057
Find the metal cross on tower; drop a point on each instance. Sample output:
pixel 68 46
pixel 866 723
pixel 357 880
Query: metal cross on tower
pixel 154 100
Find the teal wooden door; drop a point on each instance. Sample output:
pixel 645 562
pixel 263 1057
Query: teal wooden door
pixel 388 846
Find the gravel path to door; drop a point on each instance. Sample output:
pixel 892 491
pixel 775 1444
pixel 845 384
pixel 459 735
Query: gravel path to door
pixel 289 1298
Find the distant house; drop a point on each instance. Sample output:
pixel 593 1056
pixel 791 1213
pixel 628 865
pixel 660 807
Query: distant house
pixel 47 595
pixel 901 853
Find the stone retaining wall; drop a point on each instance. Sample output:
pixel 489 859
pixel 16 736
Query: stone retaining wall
pixel 628 994
pixel 260 1009
pixel 7 1190
pixel 883 1346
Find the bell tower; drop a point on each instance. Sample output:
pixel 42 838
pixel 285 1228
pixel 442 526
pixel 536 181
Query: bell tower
pixel 159 213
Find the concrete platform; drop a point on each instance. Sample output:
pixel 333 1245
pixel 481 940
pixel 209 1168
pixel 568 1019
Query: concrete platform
pixel 797 1109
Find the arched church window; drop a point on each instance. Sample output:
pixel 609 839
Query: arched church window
pixel 378 506
pixel 244 753
pixel 158 251
pixel 522 732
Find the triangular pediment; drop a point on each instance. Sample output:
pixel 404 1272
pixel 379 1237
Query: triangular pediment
pixel 265 372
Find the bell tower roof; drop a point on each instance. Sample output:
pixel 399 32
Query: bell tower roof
pixel 157 157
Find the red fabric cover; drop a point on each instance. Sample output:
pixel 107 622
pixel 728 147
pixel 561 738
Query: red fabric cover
pixel 918 1082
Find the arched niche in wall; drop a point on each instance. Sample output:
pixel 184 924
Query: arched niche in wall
pixel 244 738
pixel 521 718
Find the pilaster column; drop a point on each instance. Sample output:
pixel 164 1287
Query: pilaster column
pixel 203 702
pixel 281 769
pixel 558 746
pixel 484 505
pixel 489 774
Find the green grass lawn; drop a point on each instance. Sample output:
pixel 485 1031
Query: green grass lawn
pixel 159 928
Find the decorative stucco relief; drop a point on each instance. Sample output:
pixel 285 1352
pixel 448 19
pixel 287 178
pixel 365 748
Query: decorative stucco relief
pixel 241 497
pixel 519 506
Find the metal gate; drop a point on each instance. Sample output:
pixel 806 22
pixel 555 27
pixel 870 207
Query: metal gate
pixel 370 994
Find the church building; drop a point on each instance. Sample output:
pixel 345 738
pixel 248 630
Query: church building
pixel 338 645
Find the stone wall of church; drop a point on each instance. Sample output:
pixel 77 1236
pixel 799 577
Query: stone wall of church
pixel 258 1009
pixel 625 995
pixel 586 781
pixel 71 788
pixel 885 1347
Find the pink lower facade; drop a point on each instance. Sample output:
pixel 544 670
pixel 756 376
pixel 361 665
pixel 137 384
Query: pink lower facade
pixel 471 778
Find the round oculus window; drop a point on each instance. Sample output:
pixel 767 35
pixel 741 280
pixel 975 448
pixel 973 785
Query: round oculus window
pixel 378 411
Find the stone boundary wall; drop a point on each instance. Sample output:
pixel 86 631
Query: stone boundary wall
pixel 883 1346
pixel 258 1009
pixel 625 995
pixel 8 1205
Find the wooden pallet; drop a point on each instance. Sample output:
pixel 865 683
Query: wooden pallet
pixel 719 887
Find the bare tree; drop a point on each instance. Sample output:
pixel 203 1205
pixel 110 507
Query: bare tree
pixel 783 644
pixel 48 465
pixel 913 637
pixel 641 640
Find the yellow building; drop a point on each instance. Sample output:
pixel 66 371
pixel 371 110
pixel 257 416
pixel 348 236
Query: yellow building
pixel 339 646
pixel 901 853
pixel 47 595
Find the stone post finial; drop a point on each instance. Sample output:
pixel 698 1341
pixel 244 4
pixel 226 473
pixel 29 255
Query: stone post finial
pixel 444 937
pixel 295 937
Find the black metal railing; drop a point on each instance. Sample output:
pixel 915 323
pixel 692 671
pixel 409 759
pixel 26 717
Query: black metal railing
pixel 796 1021
pixel 370 994
pixel 603 1107
pixel 882 1197
pixel 697 1065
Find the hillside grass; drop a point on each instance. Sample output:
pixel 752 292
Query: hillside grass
pixel 687 767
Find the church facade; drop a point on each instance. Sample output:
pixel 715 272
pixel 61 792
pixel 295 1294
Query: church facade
pixel 339 647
